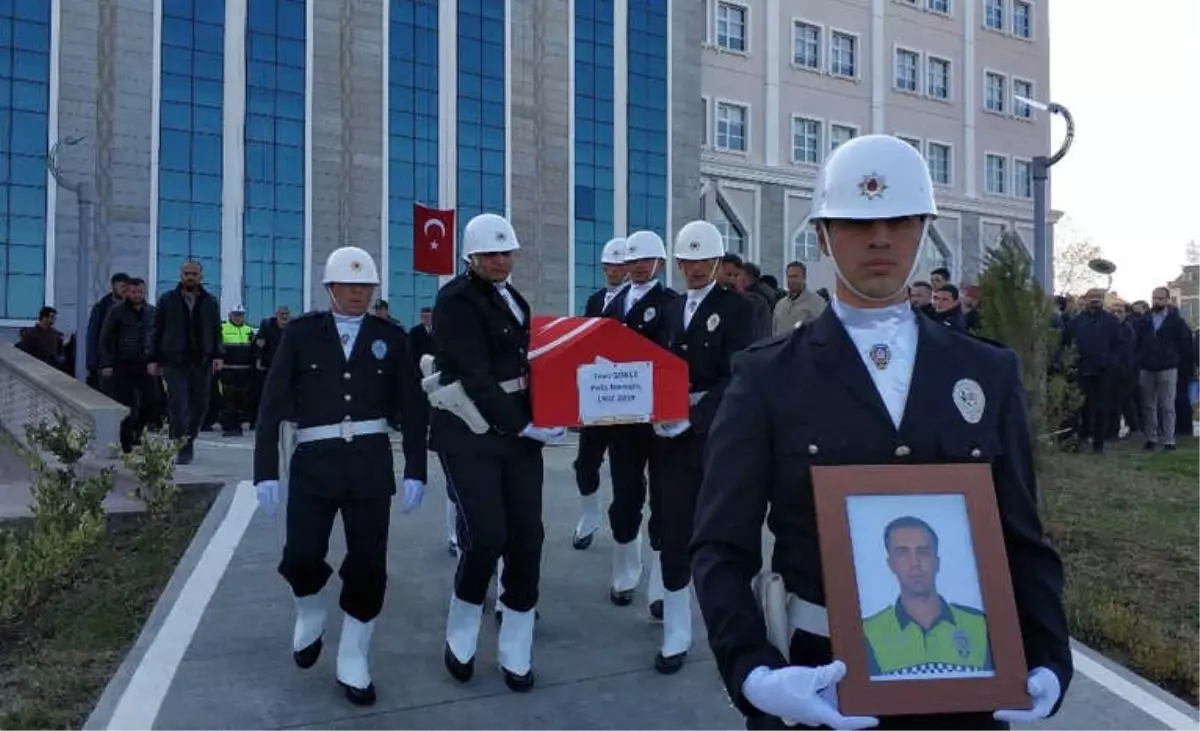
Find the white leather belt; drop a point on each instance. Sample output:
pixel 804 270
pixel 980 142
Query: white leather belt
pixel 345 430
pixel 514 385
pixel 695 396
pixel 807 617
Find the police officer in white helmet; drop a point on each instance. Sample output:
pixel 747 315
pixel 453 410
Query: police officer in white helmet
pixel 867 383
pixel 593 441
pixel 705 328
pixel 482 342
pixel 340 377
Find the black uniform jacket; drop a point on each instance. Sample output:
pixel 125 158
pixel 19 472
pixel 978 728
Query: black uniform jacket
pixel 646 315
pixel 594 307
pixel 806 399
pixel 313 384
pixel 478 340
pixel 721 327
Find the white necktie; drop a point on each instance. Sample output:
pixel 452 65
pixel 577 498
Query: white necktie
pixel 512 305
pixel 692 306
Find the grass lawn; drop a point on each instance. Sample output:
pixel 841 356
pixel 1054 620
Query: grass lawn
pixel 56 662
pixel 1126 524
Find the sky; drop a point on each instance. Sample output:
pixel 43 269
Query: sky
pixel 1130 75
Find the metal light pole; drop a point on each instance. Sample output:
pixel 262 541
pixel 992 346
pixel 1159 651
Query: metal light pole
pixel 85 196
pixel 1043 247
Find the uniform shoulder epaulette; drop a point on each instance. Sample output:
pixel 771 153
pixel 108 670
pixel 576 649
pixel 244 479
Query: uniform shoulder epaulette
pixel 773 341
pixel 310 316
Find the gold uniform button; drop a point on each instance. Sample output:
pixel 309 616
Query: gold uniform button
pixel 903 451
pixel 975 453
pixel 813 449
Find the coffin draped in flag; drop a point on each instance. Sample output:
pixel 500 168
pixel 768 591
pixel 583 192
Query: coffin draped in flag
pixel 433 240
pixel 593 371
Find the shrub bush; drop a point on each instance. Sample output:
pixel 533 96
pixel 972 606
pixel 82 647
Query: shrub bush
pixel 152 463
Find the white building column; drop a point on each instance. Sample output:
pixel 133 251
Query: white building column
pixel 233 152
pixel 51 252
pixel 621 118
pixel 771 115
pixel 448 116
pixel 970 72
pixel 570 157
pixel 385 217
pixel 670 232
pixel 309 25
pixel 880 65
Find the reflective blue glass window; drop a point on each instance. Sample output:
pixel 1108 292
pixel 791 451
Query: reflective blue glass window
pixel 273 220
pixel 24 103
pixel 647 115
pixel 481 144
pixel 190 141
pixel 412 148
pixel 593 143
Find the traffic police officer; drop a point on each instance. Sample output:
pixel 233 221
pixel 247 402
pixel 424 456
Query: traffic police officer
pixel 640 306
pixel 867 382
pixel 705 328
pixel 493 458
pixel 340 376
pixel 236 375
pixel 593 441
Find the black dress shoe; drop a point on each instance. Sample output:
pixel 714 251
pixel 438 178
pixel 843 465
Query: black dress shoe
pixel 656 610
pixel 307 657
pixel 669 665
pixel 519 683
pixel 621 598
pixel 460 671
pixel 581 543
pixel 359 696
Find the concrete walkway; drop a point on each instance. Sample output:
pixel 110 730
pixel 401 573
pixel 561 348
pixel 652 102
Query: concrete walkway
pixel 216 651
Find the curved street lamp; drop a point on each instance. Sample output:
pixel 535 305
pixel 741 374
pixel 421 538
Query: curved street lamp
pixel 1043 246
pixel 85 197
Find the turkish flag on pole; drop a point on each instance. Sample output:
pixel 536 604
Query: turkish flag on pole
pixel 433 240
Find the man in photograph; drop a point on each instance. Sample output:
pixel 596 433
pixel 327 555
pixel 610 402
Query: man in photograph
pixel 922 634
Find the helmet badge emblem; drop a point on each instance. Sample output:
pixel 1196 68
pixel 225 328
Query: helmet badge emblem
pixel 872 185
pixel 694 246
pixel 500 236
pixel 355 265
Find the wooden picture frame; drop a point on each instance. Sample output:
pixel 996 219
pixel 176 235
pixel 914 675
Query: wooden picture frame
pixel 867 689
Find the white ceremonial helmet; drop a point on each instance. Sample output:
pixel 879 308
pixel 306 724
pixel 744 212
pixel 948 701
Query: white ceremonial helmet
pixel 350 265
pixel 644 245
pixel 488 233
pixel 698 241
pixel 614 252
pixel 869 178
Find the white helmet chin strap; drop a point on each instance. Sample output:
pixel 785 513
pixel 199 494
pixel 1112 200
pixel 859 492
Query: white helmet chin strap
pixel 912 270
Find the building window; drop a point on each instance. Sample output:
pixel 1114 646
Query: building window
pixel 996 170
pixel 916 143
pixel 731 26
pixel 940 163
pixel 996 88
pixel 1022 179
pixel 908 70
pixel 731 127
pixel 938 6
pixel 806 45
pixel 843 54
pixel 412 145
pixel 273 252
pixel 804 245
pixel 481 89
pixel 839 133
pixel 191 136
pixel 646 110
pixel 594 151
pixel 1023 89
pixel 937 78
pixel 1022 19
pixel 993 14
pixel 806 140
pixel 732 234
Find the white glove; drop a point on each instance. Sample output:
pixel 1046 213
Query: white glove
pixel 414 493
pixel 543 434
pixel 802 695
pixel 671 429
pixel 268 496
pixel 1044 690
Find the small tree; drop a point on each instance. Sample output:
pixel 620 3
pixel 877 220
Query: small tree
pixel 1019 314
pixel 152 463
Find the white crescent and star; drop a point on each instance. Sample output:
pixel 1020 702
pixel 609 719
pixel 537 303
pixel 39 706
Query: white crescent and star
pixel 441 227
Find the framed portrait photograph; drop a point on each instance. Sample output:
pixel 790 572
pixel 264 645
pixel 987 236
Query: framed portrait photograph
pixel 918 589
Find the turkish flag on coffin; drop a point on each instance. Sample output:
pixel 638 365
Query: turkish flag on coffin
pixel 433 240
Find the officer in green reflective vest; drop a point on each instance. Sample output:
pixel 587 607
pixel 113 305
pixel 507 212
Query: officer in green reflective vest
pixel 922 634
pixel 237 374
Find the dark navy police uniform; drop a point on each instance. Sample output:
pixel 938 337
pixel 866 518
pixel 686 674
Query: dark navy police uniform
pixel 807 399
pixel 593 440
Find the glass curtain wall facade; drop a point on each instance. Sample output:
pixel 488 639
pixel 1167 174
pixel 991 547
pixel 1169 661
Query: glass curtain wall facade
pixel 593 143
pixel 412 147
pixel 481 90
pixel 273 219
pixel 647 118
pixel 190 139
